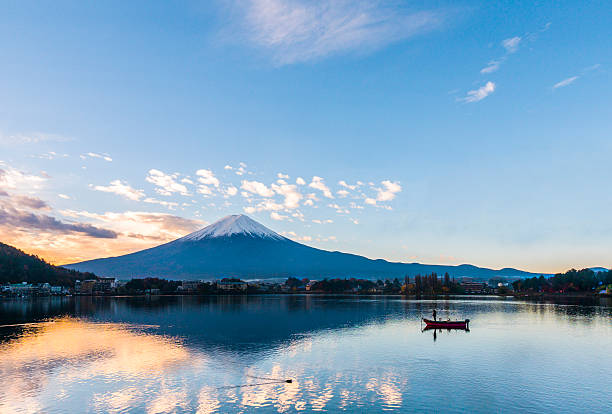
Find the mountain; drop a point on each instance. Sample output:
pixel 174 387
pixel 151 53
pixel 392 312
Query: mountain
pixel 598 269
pixel 17 266
pixel 238 246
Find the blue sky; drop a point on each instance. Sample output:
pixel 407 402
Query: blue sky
pixel 480 131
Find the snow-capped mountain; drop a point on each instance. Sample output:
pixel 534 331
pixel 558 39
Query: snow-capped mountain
pixel 234 225
pixel 237 246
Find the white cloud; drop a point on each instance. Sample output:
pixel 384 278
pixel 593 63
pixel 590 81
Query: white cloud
pixel 231 190
pixel 228 167
pixel 389 190
pixel 328 221
pixel 355 221
pixel 289 191
pixel 169 204
pixel 480 93
pixel 275 216
pixel 256 187
pixel 294 236
pixel 299 30
pixel 342 193
pixel 166 183
pixel 104 157
pixel 565 82
pixel 250 209
pixel 340 210
pixel 11 178
pixel 350 187
pixel 300 181
pixel 283 176
pixel 370 201
pixel 120 188
pixel 309 202
pixel 512 44
pixel 491 67
pixel 64 196
pixel 318 184
pixel 207 177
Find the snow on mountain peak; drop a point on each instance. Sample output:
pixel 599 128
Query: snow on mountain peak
pixel 237 224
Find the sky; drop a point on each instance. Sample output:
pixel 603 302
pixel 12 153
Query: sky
pixel 442 132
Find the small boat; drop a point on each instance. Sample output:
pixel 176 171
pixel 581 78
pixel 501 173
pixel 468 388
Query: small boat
pixel 447 324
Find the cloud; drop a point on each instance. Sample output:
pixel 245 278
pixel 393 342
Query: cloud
pixel 342 193
pixel 309 202
pixel 166 183
pixel 389 190
pixel 104 157
pixel 318 184
pixel 565 82
pixel 231 190
pixel 29 202
pixel 240 170
pixel 169 204
pixel 64 196
pixel 275 216
pixel 289 191
pixel 299 30
pixel 120 188
pixel 17 219
pixel 256 187
pixel 31 138
pixel 370 201
pixel 292 235
pixel 282 176
pixel 512 44
pixel 317 221
pixel 206 178
pixel 300 181
pixel 492 66
pixel 480 93
pixel 11 178
pixel 350 187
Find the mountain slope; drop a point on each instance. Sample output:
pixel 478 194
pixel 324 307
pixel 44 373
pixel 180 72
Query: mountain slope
pixel 239 246
pixel 17 266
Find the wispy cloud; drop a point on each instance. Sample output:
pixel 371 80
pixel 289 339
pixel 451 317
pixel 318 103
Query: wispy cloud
pixel 299 30
pixel 104 157
pixel 30 138
pixel 120 188
pixel 480 93
pixel 512 44
pixel 565 82
pixel 492 66
pixel 318 184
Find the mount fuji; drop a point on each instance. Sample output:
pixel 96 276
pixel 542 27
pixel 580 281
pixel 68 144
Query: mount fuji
pixel 237 246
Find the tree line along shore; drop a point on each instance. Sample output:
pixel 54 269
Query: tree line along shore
pixel 22 274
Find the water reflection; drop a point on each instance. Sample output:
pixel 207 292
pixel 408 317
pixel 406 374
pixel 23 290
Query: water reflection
pixel 232 354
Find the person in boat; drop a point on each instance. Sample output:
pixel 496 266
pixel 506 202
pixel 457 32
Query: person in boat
pixel 434 314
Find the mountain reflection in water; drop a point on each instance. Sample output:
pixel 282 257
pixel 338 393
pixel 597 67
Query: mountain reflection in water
pixel 232 354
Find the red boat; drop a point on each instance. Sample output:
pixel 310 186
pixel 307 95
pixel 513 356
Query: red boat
pixel 447 324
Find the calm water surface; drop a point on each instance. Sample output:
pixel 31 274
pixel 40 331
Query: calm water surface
pixel 231 354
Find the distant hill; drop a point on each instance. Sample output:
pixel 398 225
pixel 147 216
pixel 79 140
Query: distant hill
pixel 237 246
pixel 17 266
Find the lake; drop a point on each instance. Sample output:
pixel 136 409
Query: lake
pixel 358 354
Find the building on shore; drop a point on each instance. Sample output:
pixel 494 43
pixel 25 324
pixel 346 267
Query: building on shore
pixel 474 287
pixel 232 285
